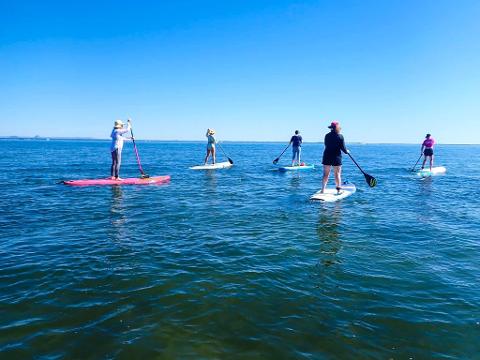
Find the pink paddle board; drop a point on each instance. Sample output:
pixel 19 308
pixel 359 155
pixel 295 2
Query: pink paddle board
pixel 128 181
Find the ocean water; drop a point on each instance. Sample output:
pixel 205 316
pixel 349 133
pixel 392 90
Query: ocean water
pixel 237 263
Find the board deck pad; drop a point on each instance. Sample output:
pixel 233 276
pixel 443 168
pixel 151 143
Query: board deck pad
pixel 220 165
pixel 330 194
pixel 435 171
pixel 127 181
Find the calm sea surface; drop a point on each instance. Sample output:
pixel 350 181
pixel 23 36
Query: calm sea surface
pixel 237 263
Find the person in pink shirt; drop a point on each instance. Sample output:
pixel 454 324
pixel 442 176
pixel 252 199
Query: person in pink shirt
pixel 427 150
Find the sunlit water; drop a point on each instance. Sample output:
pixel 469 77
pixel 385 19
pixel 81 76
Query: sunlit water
pixel 237 263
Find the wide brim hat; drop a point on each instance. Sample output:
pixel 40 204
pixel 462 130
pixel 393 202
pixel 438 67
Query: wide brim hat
pixel 118 124
pixel 211 131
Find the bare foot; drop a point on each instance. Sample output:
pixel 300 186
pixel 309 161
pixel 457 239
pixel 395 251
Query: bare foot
pixel 118 179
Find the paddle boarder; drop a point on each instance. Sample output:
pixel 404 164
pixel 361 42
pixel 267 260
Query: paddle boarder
pixel 211 142
pixel 117 146
pixel 427 150
pixel 332 156
pixel 296 142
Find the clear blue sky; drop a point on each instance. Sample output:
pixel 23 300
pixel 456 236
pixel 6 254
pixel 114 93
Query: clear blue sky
pixel 388 70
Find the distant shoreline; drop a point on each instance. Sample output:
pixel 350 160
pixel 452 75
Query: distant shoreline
pixel 53 138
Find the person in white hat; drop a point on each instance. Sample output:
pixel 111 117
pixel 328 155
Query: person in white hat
pixel 210 146
pixel 117 146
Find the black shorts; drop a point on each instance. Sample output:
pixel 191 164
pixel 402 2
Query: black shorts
pixel 428 152
pixel 332 160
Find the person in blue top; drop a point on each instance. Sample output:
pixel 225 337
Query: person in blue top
pixel 296 142
pixel 210 146
pixel 116 147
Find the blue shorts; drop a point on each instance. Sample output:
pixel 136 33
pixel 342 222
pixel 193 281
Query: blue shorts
pixel 296 152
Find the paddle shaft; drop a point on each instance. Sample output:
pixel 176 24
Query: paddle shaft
pixel 371 181
pixel 283 152
pixel 413 169
pixel 136 152
pixel 359 168
pixel 223 151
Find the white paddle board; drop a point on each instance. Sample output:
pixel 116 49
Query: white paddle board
pixel 221 165
pixel 296 168
pixel 435 171
pixel 331 195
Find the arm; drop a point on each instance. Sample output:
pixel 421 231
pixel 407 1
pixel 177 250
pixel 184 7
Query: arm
pixel 124 131
pixel 342 145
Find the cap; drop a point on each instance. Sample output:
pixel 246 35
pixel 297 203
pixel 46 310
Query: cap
pixel 333 125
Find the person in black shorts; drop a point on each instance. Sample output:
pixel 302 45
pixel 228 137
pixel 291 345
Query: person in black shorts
pixel 332 155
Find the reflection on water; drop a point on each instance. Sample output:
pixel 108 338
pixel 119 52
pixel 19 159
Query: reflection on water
pixel 211 177
pixel 117 212
pixel 328 233
pixel 425 199
pixel 296 181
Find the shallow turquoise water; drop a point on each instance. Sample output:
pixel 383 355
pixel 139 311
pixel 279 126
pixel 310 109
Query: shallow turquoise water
pixel 237 263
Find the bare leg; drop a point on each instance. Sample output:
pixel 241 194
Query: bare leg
pixel 299 154
pixel 337 171
pixel 431 162
pixel 206 157
pixel 424 161
pixel 214 157
pixel 326 174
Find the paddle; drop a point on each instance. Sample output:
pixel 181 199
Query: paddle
pixel 143 176
pixel 371 181
pixel 413 169
pixel 283 152
pixel 229 160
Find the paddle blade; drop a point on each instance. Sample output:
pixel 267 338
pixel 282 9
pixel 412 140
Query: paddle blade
pixel 275 161
pixel 230 161
pixel 371 181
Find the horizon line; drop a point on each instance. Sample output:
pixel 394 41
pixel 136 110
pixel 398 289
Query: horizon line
pixel 65 138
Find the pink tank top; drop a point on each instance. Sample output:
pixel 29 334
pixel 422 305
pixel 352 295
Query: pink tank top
pixel 428 143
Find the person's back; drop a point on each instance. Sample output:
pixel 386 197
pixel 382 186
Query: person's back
pixel 427 150
pixel 117 138
pixel 296 140
pixel 429 142
pixel 334 144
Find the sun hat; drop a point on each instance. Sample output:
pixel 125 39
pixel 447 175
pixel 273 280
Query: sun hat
pixel 211 131
pixel 118 124
pixel 333 125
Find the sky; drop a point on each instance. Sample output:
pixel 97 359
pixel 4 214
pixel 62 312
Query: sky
pixel 387 70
